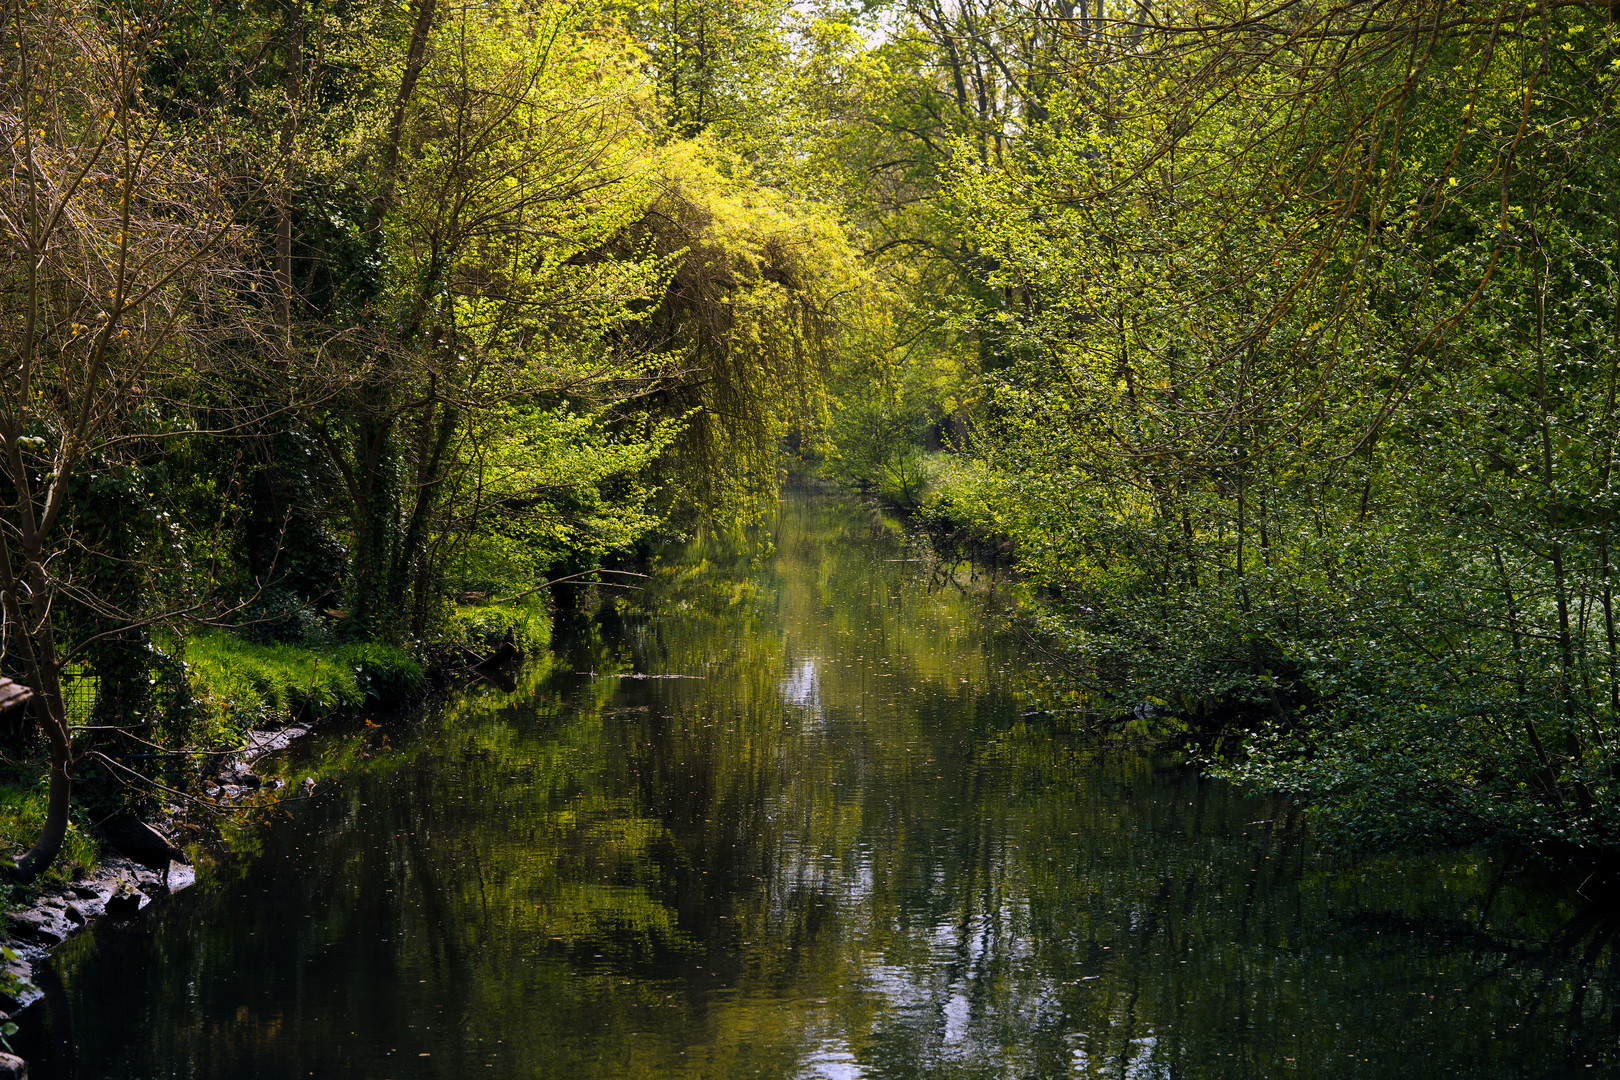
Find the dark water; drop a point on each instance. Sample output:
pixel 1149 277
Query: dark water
pixel 837 847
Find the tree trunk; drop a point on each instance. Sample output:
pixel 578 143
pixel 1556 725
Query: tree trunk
pixel 49 843
pixel 32 627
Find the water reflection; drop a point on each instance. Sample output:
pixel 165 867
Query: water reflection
pixel 802 687
pixel 844 843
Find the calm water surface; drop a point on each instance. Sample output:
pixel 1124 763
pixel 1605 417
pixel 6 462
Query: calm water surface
pixel 842 843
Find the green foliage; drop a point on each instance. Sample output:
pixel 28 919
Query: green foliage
pixel 712 61
pixel 754 311
pixel 487 417
pixel 879 446
pixel 1319 444
pixel 484 627
pixel 551 484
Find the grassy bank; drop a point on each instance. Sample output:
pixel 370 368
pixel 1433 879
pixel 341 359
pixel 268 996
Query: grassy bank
pixel 243 684
pixel 22 815
pixel 483 628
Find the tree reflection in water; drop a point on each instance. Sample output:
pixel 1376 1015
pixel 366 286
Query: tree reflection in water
pixel 849 845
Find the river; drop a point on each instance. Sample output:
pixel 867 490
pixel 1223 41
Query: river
pixel 807 814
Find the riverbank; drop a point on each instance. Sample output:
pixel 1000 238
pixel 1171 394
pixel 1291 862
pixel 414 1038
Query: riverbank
pixel 248 700
pixel 1354 707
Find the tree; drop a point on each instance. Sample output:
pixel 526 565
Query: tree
pixel 752 315
pixel 1317 319
pixel 121 305
pixel 713 63
pixel 503 160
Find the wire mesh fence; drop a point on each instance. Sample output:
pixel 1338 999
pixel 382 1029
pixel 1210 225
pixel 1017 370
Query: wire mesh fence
pixel 80 686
